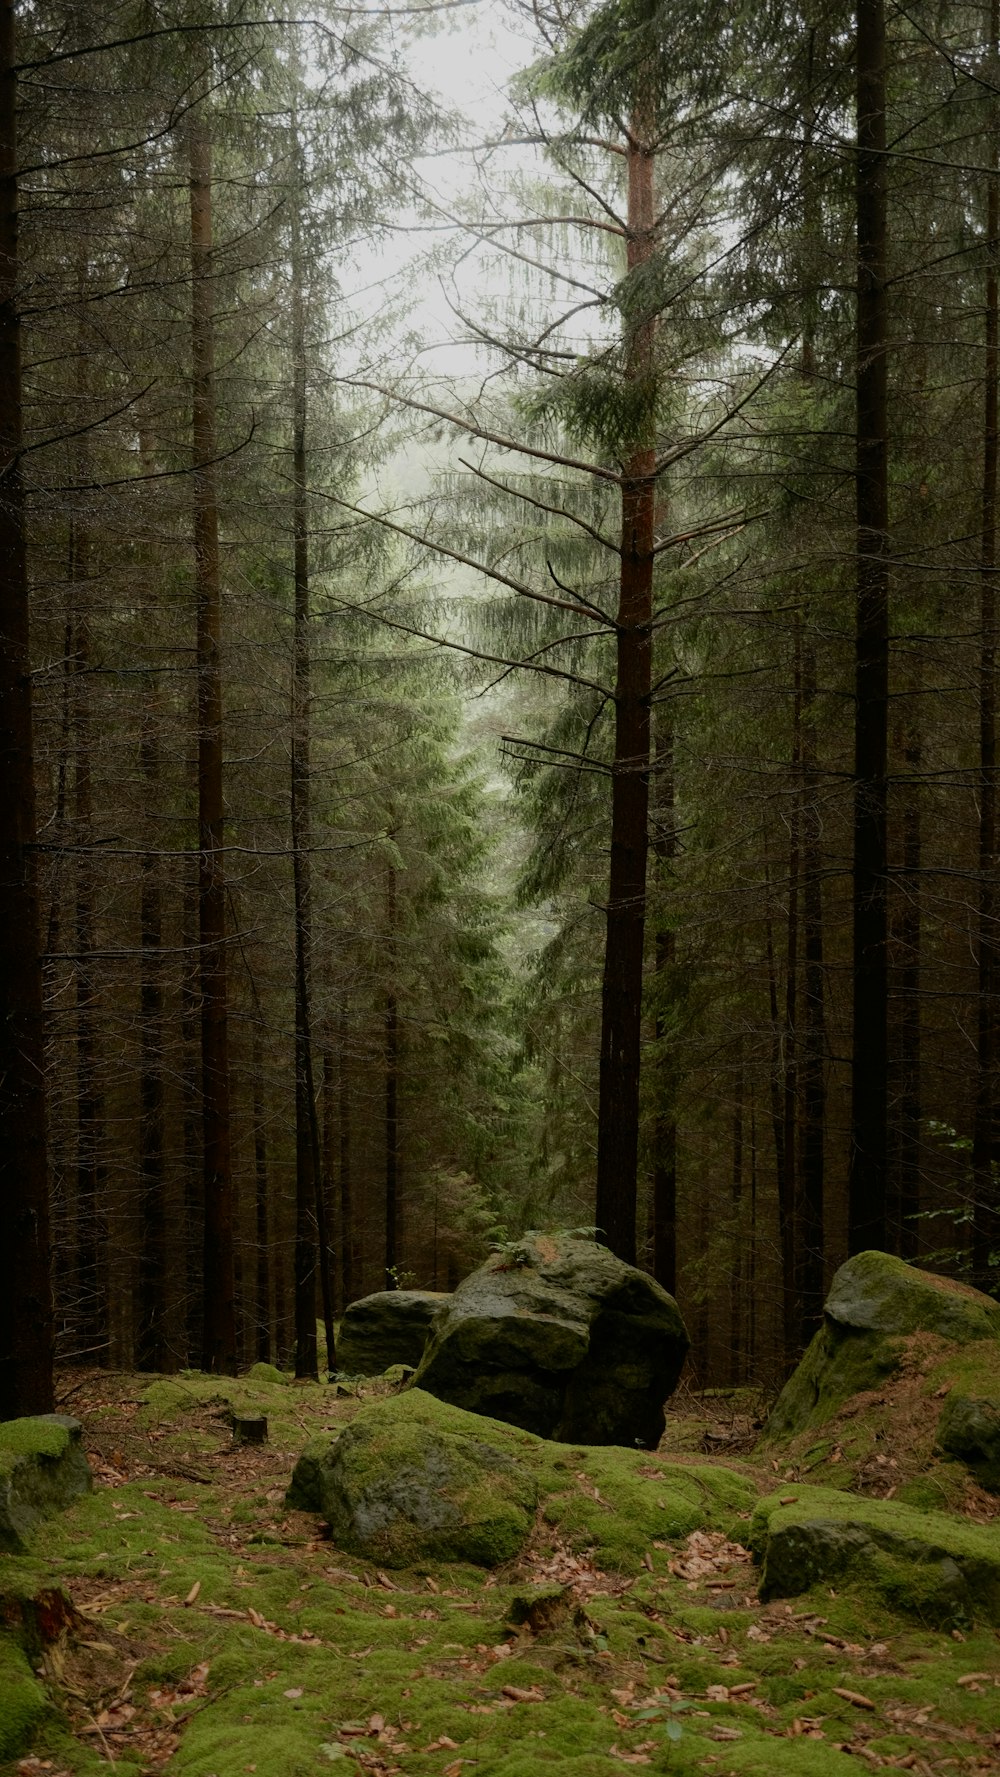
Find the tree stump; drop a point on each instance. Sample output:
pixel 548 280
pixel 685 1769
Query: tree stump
pixel 249 1428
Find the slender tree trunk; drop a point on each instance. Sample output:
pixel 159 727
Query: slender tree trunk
pixel 910 938
pixel 191 1122
pixel 26 1329
pixel 262 1293
pixel 986 1211
pixel 664 1216
pixel 153 1351
pixel 870 1044
pixel 785 1181
pixel 391 1093
pixel 813 1060
pixel 621 991
pixel 349 1269
pixel 219 1333
pixel 91 1208
pixel 152 1304
pixel 790 1035
pixel 329 1130
pixel 737 1354
pixel 307 1179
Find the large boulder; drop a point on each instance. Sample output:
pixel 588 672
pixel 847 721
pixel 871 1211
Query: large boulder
pixel 414 1479
pixel 557 1335
pixel 875 1303
pixel 418 1483
pixel 930 1565
pixel 388 1328
pixel 43 1467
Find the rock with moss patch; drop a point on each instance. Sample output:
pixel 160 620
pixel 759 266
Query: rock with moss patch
pixel 403 1485
pixel 388 1328
pixel 970 1429
pixel 875 1302
pixel 42 1469
pixel 929 1565
pixel 262 1372
pixel 557 1335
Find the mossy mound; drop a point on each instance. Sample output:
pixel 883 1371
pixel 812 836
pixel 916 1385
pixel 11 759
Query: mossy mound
pixel 42 1468
pixel 876 1303
pixel 940 1569
pixel 486 1477
pixel 23 1703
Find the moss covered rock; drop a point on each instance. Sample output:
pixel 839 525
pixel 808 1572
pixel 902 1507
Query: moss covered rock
pixel 404 1485
pixel 930 1565
pixel 875 1302
pixel 970 1430
pixel 558 1336
pixel 388 1328
pixel 42 1468
pixel 372 1483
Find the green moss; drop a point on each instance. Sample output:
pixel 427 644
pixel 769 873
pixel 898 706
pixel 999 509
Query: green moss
pixel 31 1437
pixel 930 1565
pixel 23 1703
pixel 268 1373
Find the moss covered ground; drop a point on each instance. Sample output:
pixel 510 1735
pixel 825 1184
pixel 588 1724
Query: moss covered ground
pixel 211 1631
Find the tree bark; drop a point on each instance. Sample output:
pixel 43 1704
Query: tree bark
pixel 262 1313
pixel 621 989
pixel 870 1044
pixel 91 1209
pixel 219 1323
pixel 664 1217
pixel 26 1329
pixel 813 1058
pixel 986 1208
pixel 391 1093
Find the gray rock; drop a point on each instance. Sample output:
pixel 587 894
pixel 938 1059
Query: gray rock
pixel 875 1301
pixel 558 1336
pixel 929 1565
pixel 970 1429
pixel 43 1468
pixel 409 1480
pixel 388 1328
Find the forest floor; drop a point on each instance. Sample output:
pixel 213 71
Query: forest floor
pixel 213 1632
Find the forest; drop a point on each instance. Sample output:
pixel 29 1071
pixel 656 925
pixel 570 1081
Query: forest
pixel 498 678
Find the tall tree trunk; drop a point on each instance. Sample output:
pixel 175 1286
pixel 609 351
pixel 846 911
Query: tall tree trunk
pixel 783 1170
pixel 737 1352
pixel 153 1352
pixel 664 1216
pixel 306 1172
pixel 26 1329
pixel 790 1044
pixel 191 1122
pixel 870 1043
pixel 910 937
pixel 986 1212
pixel 391 1093
pixel 91 1208
pixel 621 989
pixel 813 1055
pixel 262 1315
pixel 348 1255
pixel 219 1325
